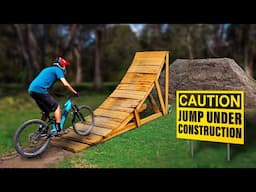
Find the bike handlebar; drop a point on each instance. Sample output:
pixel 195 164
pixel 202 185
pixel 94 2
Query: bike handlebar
pixel 64 95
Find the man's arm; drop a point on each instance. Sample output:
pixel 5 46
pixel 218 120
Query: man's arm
pixel 67 85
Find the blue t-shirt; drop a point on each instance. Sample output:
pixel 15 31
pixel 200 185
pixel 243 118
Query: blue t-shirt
pixel 45 79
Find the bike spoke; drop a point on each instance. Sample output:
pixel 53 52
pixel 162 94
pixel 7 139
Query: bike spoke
pixel 30 138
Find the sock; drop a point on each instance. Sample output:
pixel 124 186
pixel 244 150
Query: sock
pixel 58 127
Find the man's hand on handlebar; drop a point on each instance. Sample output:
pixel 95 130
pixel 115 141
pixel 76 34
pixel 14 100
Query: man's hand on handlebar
pixel 76 94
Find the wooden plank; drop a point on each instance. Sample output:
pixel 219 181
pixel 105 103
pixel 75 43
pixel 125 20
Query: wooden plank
pixel 111 113
pixel 69 145
pixel 166 82
pixel 151 117
pixel 143 107
pixel 89 139
pixel 159 93
pixel 138 95
pixel 133 87
pixel 148 61
pixel 117 132
pixel 106 122
pixel 120 102
pixel 153 104
pixel 138 78
pixel 132 92
pixel 144 69
pixel 117 108
pixel 132 125
pixel 83 125
pixel 137 118
pixel 101 131
pixel 122 126
pixel 150 54
pixel 126 96
pixel 145 97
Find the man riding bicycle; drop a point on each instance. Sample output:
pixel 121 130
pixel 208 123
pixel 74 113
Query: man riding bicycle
pixel 38 90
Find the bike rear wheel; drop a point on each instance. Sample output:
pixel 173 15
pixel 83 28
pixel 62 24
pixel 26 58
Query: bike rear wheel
pixel 32 138
pixel 83 120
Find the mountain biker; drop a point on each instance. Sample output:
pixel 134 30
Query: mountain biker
pixel 38 90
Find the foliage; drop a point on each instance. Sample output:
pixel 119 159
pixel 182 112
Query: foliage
pixel 27 48
pixel 119 47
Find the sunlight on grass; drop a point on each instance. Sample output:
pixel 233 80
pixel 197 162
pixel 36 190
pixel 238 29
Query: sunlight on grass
pixel 154 145
pixel 75 161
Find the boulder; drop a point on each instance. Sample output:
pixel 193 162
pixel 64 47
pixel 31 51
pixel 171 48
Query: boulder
pixel 210 74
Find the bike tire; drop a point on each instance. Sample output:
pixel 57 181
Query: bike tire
pixel 26 150
pixel 85 116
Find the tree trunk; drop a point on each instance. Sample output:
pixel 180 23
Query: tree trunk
pixel 69 39
pixel 23 50
pixel 248 49
pixel 27 42
pixel 42 44
pixel 189 42
pixel 97 71
pixel 249 65
pixel 33 48
pixel 189 47
pixel 79 74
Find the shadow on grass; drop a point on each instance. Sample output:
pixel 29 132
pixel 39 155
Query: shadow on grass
pixel 235 149
pixel 204 145
pixel 249 136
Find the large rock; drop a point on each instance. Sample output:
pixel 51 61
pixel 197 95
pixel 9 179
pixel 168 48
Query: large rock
pixel 210 74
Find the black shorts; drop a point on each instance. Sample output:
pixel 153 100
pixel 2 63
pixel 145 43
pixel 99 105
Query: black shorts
pixel 45 102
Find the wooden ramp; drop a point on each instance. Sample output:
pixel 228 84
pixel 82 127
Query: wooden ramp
pixel 123 109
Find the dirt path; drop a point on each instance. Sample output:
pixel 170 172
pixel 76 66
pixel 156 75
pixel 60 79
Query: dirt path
pixel 47 160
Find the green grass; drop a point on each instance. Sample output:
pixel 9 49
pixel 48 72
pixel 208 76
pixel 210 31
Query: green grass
pixel 154 145
pixel 18 108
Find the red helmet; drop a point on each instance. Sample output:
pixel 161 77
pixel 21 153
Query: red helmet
pixel 62 62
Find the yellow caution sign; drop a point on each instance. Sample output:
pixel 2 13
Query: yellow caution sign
pixel 210 115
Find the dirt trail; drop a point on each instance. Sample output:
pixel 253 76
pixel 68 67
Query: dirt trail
pixel 46 160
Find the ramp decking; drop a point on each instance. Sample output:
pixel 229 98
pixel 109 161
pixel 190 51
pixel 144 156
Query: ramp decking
pixel 121 111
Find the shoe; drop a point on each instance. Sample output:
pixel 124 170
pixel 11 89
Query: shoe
pixel 59 133
pixel 42 132
pixel 62 132
pixel 54 133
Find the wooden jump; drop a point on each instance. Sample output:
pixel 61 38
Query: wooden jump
pixel 122 110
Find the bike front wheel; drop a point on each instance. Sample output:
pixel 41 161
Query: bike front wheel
pixel 32 138
pixel 83 120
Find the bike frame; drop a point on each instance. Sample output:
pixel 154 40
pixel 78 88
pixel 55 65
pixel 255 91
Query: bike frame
pixel 46 125
pixel 66 109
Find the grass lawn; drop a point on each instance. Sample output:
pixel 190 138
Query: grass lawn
pixel 16 109
pixel 154 145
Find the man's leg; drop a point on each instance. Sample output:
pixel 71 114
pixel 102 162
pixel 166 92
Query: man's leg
pixel 57 115
pixel 44 116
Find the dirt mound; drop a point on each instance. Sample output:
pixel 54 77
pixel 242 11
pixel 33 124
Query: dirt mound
pixel 210 74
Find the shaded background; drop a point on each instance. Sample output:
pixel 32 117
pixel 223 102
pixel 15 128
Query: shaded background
pixel 103 52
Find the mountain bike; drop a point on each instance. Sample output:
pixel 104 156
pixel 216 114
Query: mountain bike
pixel 33 136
